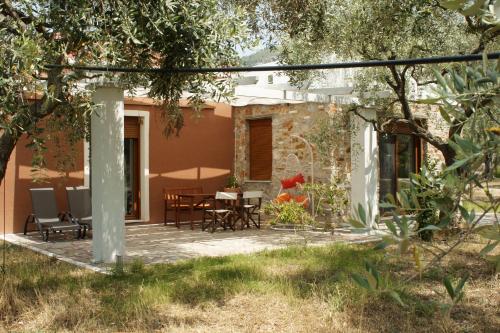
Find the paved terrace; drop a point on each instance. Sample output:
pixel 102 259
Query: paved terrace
pixel 155 243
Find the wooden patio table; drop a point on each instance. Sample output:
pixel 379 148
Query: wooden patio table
pixel 199 201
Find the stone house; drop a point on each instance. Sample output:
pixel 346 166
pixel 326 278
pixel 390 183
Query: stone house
pixel 273 117
pixel 278 133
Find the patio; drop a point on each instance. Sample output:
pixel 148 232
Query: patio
pixel 155 243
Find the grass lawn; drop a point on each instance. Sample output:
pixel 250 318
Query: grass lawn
pixel 297 289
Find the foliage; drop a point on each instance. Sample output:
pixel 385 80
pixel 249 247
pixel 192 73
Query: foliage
pixel 312 31
pixel 329 135
pixel 288 212
pixel 146 34
pixel 232 182
pixel 456 294
pixel 374 282
pixel 334 196
pixel 437 197
pixel 428 198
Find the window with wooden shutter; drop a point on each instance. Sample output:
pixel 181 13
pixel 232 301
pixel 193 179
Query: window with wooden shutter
pixel 260 146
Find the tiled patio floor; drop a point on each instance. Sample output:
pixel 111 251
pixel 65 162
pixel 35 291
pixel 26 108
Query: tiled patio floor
pixel 160 244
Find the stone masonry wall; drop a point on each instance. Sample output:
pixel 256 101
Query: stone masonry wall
pixel 437 126
pixel 302 120
pixel 289 120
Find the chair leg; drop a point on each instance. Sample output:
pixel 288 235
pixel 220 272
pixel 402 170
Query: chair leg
pixel 177 217
pixel 191 217
pixel 232 222
pixel 42 233
pixel 214 223
pixel 28 220
pixel 243 219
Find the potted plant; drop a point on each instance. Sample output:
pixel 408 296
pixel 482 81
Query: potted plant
pixel 232 185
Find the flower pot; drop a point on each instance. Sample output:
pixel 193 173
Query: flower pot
pixel 232 189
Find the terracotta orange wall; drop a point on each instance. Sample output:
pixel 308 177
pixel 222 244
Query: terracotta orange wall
pixel 201 156
pixel 19 180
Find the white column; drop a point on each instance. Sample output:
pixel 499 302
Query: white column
pixel 364 165
pixel 108 201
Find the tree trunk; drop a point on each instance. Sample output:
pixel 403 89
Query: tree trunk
pixel 448 154
pixel 398 84
pixel 7 143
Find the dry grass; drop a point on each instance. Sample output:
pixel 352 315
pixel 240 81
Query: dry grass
pixel 291 290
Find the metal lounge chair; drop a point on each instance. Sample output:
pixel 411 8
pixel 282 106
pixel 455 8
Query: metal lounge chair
pixel 80 206
pixel 46 216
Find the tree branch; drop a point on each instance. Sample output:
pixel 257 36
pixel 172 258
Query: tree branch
pixel 23 20
pixel 372 121
pixel 418 130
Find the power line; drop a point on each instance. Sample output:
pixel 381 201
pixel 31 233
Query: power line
pixel 352 64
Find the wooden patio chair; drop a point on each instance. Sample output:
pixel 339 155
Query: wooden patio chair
pixel 222 213
pixel 252 201
pixel 46 216
pixel 80 206
pixel 178 200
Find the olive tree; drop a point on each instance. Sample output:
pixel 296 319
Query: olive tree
pixel 441 195
pixel 147 34
pixel 312 30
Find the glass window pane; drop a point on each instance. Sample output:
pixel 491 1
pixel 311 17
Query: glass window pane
pixel 129 175
pixel 406 159
pixel 405 155
pixel 387 162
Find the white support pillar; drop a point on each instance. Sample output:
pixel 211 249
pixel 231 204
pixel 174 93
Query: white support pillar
pixel 107 149
pixel 364 164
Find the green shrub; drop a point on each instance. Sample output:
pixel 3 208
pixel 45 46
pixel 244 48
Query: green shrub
pixel 289 212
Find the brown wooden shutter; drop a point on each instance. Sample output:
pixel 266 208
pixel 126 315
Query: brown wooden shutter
pixel 132 128
pixel 261 149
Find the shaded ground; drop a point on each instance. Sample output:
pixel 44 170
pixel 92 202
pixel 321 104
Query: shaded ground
pixel 296 289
